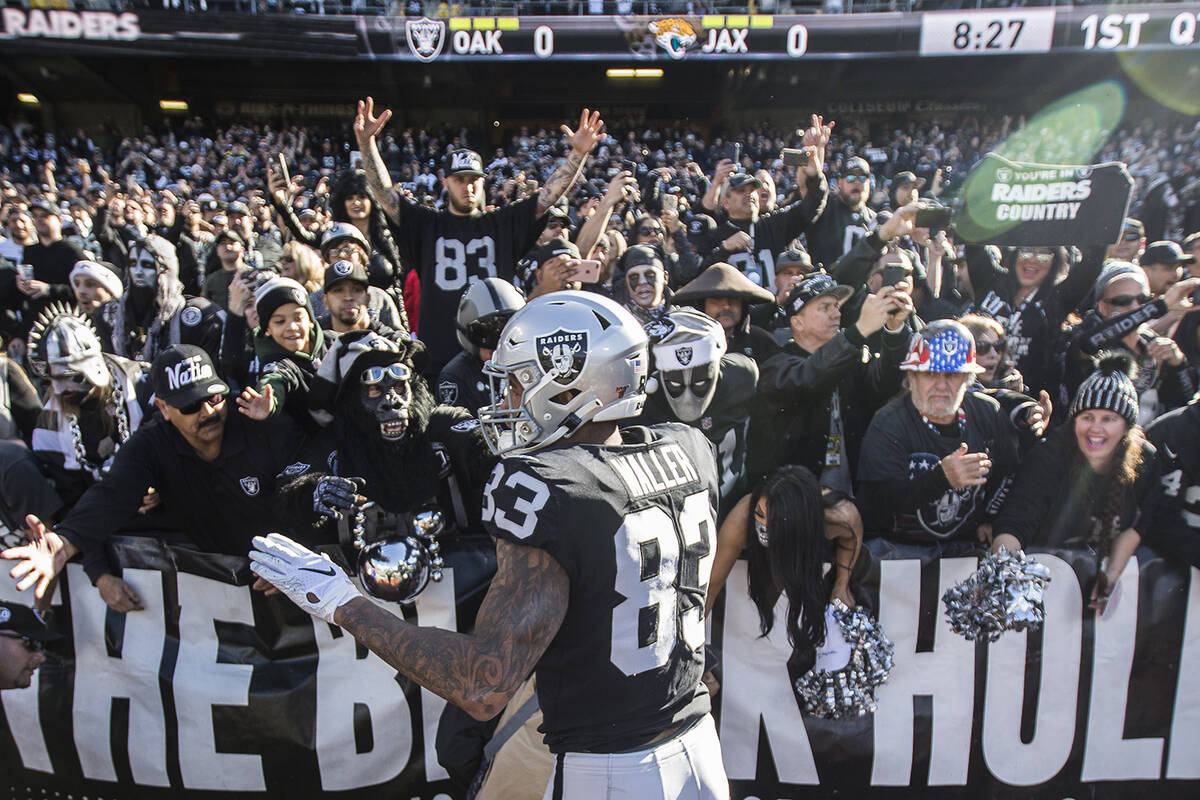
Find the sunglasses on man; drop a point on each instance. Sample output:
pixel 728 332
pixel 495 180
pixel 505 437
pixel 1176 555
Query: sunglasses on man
pixel 651 231
pixel 34 645
pixel 194 408
pixel 1126 300
pixel 855 178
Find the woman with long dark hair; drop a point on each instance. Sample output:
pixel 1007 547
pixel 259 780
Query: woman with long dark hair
pixel 1031 291
pixel 796 529
pixel 1093 482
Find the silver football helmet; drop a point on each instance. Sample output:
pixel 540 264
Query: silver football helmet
pixel 484 309
pixel 565 359
pixel 687 361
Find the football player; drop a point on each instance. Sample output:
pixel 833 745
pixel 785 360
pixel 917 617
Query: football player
pixel 604 542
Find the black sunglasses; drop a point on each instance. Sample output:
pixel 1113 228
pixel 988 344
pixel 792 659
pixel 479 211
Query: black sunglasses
pixel 1126 300
pixel 35 645
pixel 194 408
pixel 650 231
pixel 983 348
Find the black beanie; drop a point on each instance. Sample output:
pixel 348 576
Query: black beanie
pixel 1110 388
pixel 278 292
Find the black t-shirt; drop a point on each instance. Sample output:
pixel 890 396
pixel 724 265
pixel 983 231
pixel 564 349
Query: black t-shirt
pixel 633 526
pixel 837 230
pixel 462 383
pixel 900 448
pixel 452 252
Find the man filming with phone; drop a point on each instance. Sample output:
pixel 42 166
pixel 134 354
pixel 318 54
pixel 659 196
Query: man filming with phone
pixel 748 239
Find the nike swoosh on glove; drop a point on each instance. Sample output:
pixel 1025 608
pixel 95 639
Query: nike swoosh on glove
pixel 311 580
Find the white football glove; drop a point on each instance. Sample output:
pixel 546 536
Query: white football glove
pixel 311 580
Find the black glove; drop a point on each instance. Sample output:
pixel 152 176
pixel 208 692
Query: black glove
pixel 334 496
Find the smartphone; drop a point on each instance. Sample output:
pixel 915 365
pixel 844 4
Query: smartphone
pixel 588 271
pixel 670 202
pixel 894 273
pixel 283 170
pixel 25 272
pixel 630 166
pixel 793 157
pixel 935 218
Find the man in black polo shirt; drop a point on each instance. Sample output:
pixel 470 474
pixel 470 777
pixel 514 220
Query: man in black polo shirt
pixel 214 470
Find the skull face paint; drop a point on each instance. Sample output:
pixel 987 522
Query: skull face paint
pixel 689 391
pixel 386 394
pixel 143 268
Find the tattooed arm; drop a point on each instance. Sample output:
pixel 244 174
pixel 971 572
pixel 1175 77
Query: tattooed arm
pixel 379 182
pixel 591 128
pixel 478 672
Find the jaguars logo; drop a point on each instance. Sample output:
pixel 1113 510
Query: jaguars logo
pixel 674 35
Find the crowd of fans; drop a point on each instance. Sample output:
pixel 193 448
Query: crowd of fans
pixel 936 390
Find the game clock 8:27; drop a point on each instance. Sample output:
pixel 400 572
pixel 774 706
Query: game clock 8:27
pixel 987 32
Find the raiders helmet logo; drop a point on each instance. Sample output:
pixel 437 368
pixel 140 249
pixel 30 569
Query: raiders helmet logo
pixel 684 354
pixel 342 268
pixel 448 392
pixel 425 37
pixel 562 354
pixel 249 485
pixel 190 316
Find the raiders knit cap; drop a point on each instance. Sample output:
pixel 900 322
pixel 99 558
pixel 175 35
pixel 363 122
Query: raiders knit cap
pixel 1110 388
pixel 279 292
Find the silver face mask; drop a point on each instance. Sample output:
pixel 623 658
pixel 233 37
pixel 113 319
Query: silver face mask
pixel 143 268
pixel 689 391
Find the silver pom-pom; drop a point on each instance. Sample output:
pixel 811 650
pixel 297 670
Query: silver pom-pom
pixel 1004 594
pixel 849 691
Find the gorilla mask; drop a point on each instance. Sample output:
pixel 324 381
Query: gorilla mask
pixel 386 394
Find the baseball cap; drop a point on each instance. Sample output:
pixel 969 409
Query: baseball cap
pixel 340 232
pixel 740 179
pixel 557 246
pixel 229 234
pixel 1133 226
pixel 856 165
pixel 183 375
pixel 463 162
pixel 819 284
pixel 1165 252
pixel 345 271
pixel 42 204
pixel 945 345
pixel 902 178
pixel 24 621
pixel 794 256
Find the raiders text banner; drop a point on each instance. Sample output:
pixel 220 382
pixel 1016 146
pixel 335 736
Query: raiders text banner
pixel 216 689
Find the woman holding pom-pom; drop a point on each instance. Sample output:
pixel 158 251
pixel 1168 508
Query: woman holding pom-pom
pixel 1093 482
pixel 794 531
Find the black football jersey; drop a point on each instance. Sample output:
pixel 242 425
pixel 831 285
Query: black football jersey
pixel 451 252
pixel 633 526
pixel 837 230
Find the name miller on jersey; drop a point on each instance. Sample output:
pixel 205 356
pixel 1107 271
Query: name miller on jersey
pixel 655 471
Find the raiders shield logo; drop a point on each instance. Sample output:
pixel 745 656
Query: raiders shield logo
pixel 425 37
pixel 448 392
pixel 659 329
pixel 342 268
pixel 684 354
pixel 249 485
pixel 562 354
pixel 5 615
pixel 190 316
